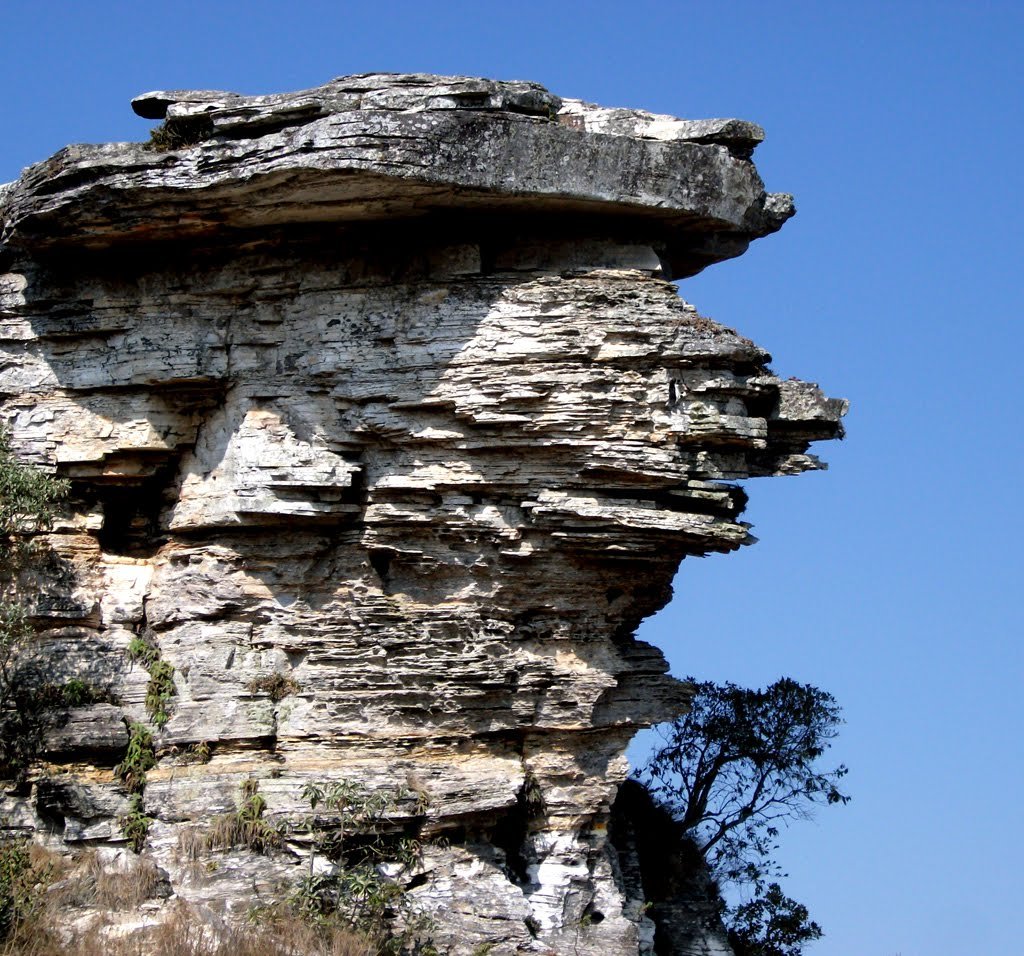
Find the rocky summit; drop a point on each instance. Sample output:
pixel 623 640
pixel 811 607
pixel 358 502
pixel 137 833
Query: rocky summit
pixel 385 427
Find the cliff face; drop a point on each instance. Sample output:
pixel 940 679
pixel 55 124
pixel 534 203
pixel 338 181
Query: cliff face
pixel 386 428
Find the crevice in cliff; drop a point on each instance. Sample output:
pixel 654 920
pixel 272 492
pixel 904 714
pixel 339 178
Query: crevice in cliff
pixel 131 511
pixel 380 560
pixel 512 831
pixel 661 866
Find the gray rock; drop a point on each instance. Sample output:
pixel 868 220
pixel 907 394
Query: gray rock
pixel 89 730
pixel 386 429
pixel 382 146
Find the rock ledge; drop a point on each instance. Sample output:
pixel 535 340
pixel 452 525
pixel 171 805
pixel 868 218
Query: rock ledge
pixel 386 429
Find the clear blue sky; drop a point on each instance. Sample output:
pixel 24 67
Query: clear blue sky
pixel 886 580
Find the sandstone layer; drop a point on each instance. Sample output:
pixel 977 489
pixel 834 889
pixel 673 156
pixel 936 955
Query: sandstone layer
pixel 385 428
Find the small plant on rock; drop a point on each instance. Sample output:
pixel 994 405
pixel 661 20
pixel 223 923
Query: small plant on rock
pixel 246 826
pixel 135 824
pixel 23 882
pixel 159 692
pixel 160 688
pixel 139 757
pixel 200 752
pixel 277 685
pixel 81 693
pixel 179 133
pixel 355 830
pixel 140 651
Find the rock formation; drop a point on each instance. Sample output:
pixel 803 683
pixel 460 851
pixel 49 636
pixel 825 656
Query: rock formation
pixel 386 428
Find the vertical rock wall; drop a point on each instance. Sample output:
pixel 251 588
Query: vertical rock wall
pixel 385 428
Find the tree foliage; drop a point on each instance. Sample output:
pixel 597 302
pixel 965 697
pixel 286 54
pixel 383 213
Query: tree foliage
pixel 27 497
pixel 734 771
pixel 19 896
pixel 354 829
pixel 771 924
pixel 27 502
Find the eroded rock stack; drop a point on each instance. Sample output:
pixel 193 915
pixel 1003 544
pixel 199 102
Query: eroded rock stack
pixel 385 428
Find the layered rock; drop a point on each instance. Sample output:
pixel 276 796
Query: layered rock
pixel 386 428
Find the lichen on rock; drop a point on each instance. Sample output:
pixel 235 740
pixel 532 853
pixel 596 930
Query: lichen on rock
pixel 381 392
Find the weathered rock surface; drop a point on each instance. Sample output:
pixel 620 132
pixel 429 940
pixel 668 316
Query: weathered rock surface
pixel 382 388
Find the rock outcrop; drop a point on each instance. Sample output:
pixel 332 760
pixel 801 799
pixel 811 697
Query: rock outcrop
pixel 385 428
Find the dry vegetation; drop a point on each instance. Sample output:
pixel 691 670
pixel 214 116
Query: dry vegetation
pixel 86 882
pixel 102 903
pixel 244 828
pixel 187 933
pixel 59 884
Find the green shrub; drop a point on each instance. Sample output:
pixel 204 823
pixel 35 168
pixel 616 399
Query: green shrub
pixel 21 729
pixel 139 757
pixel 135 824
pixel 160 688
pixel 30 705
pixel 140 651
pixel 159 692
pixel 28 502
pixel 22 886
pixel 14 867
pixel 28 498
pixel 81 693
pixel 77 693
pixel 246 826
pixel 355 830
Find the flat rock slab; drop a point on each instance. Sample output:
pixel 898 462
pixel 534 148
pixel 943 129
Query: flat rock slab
pixel 387 146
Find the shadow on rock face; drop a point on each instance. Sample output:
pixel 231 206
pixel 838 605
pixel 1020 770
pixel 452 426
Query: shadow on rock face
pixel 386 444
pixel 663 867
